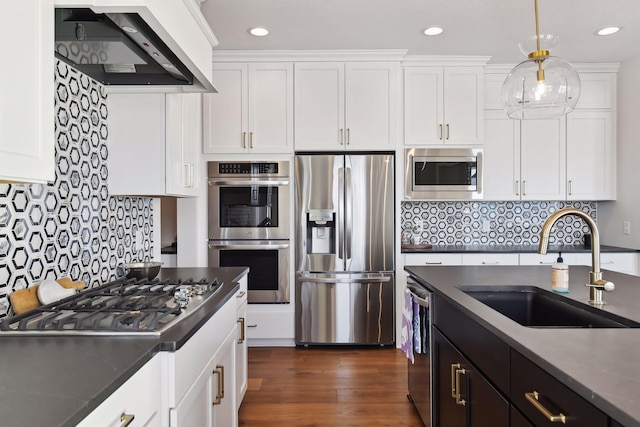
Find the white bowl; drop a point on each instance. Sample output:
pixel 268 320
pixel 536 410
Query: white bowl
pixel 50 291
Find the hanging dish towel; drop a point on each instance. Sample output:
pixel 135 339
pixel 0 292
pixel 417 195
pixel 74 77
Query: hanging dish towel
pixel 417 327
pixel 406 334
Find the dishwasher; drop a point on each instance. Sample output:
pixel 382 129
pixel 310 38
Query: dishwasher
pixel 419 372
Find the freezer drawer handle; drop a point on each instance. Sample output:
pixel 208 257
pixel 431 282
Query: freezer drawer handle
pixel 349 280
pixel 533 397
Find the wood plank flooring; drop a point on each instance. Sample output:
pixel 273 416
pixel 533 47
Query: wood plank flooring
pixel 333 386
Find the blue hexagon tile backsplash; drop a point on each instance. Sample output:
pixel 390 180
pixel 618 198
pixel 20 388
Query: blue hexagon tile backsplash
pixel 72 226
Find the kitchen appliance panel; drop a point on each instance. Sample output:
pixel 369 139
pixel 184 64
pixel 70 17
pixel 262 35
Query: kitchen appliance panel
pixel 345 309
pixel 268 262
pixel 419 378
pixel 320 212
pixel 369 207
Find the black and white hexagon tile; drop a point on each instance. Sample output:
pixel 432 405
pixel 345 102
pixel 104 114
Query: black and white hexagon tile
pixel 71 226
pixel 493 223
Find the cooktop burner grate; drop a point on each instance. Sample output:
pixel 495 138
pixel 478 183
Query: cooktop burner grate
pixel 125 305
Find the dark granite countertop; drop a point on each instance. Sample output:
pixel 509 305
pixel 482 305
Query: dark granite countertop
pixel 512 249
pixel 59 380
pixel 601 365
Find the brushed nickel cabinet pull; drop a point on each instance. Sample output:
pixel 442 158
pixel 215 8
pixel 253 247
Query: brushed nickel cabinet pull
pixel 240 294
pixel 454 367
pixel 348 136
pixel 250 139
pixel 570 187
pixel 126 419
pixel 440 137
pixel 491 263
pixel 242 337
pixel 524 188
pixel 433 262
pixel 459 400
pixel 244 140
pixel 447 131
pixel 517 189
pixel 341 136
pixel 533 397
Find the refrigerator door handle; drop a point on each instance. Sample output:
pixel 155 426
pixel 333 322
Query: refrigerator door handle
pixel 340 213
pixel 312 279
pixel 348 207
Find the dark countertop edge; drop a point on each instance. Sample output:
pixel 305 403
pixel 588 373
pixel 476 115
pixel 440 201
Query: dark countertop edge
pixel 512 249
pixel 171 340
pixel 590 394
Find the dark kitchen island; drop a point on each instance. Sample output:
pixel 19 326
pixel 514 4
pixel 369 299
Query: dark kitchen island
pixel 598 366
pixel 52 380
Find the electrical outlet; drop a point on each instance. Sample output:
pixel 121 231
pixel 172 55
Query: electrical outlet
pixel 486 225
pixel 626 228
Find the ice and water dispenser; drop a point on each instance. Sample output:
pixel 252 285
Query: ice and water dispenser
pixel 321 231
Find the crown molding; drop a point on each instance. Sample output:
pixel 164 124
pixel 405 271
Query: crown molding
pixel 444 61
pixel 584 67
pixel 308 55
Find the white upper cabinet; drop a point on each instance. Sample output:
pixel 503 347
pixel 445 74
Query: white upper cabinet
pixel 27 147
pixel 154 144
pixel 253 109
pixel 542 159
pixel 443 105
pixel 348 106
pixel 591 151
pixel 501 156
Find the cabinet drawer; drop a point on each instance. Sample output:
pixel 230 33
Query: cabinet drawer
pixel 527 377
pixel 547 259
pixel 433 259
pixel 269 324
pixel 614 261
pixel 490 259
pixel 488 352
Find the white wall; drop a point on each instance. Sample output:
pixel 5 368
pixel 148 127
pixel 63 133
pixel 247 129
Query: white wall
pixel 627 207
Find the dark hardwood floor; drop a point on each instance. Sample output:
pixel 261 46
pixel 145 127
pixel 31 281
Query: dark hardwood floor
pixel 327 387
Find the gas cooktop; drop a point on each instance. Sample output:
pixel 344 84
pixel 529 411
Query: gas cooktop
pixel 125 306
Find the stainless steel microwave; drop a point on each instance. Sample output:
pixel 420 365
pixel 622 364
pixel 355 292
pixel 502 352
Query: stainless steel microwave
pixel 443 173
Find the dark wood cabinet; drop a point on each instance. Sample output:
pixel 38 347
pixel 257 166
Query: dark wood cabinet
pixel 540 397
pixel 518 420
pixel 463 397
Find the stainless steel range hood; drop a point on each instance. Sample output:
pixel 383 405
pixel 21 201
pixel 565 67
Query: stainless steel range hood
pixel 137 48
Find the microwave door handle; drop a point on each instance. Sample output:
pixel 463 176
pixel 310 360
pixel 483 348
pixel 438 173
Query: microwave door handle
pixel 340 219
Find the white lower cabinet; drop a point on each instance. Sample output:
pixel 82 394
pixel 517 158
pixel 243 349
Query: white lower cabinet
pixel 200 378
pixel 137 400
pixel 242 355
pixel 433 259
pixel 270 324
pixel 488 258
pixel 622 262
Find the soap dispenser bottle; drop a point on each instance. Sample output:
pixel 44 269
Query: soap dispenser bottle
pixel 560 275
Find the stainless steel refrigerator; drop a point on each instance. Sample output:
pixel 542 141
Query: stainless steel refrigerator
pixel 345 266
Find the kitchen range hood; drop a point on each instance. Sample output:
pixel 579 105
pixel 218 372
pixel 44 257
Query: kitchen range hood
pixel 154 46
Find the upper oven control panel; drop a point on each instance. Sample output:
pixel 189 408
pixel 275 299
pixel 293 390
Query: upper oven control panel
pixel 255 169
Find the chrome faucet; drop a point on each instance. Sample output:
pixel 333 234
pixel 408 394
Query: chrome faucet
pixel 596 284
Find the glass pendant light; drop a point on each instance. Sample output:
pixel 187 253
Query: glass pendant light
pixel 543 86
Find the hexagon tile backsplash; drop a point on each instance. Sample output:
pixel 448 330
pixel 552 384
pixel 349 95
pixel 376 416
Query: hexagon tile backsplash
pixel 71 226
pixel 494 223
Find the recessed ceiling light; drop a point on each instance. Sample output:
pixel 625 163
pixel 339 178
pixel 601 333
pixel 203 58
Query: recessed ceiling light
pixel 433 31
pixel 608 31
pixel 259 31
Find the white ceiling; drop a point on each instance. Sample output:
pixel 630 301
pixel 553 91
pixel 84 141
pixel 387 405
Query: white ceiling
pixel 472 27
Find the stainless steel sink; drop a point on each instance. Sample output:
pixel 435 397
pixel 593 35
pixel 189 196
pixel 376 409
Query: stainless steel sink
pixel 538 308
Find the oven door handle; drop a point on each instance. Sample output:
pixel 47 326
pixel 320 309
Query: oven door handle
pixel 312 279
pixel 239 246
pixel 247 182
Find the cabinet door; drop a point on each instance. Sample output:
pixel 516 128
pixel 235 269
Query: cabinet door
pixel 225 113
pixel 542 159
pixel 433 259
pixel 319 106
pixel 463 100
pixel 490 259
pixel 591 155
pixel 241 353
pixel 270 108
pixel 370 99
pixel 27 109
pixel 423 105
pixel 183 124
pixel 501 177
pixel 225 413
pixel 463 396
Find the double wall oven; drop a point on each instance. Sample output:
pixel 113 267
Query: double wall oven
pixel 249 224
